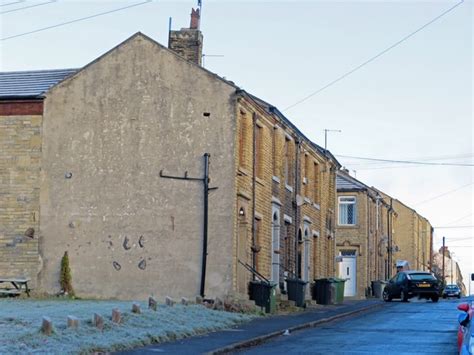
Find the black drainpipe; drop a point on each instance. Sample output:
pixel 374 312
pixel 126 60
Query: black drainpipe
pixel 254 166
pixel 205 224
pixel 297 144
pixel 390 239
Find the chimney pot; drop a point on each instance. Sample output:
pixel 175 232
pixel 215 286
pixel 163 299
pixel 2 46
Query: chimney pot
pixel 195 17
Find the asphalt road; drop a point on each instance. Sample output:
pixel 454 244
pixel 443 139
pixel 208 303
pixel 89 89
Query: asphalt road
pixel 416 327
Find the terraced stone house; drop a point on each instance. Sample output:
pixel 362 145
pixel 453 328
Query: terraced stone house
pixel 363 235
pixel 85 155
pixel 412 236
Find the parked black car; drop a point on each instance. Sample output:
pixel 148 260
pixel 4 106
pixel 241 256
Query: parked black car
pixel 452 291
pixel 408 284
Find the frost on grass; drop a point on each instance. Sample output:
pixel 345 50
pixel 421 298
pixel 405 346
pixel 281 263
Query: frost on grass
pixel 20 322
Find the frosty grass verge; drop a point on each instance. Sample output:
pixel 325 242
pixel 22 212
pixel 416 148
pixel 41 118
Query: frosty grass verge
pixel 20 322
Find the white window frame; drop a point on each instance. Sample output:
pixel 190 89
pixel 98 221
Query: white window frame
pixel 347 200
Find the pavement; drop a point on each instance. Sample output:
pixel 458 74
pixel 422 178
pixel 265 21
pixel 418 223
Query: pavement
pixel 259 330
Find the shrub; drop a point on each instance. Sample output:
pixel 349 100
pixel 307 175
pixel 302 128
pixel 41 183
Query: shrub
pixel 65 278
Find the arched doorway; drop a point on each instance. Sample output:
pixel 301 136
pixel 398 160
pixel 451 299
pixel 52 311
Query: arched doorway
pixel 306 248
pixel 299 248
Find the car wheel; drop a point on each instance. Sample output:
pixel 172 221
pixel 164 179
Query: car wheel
pixel 435 298
pixel 386 297
pixel 444 296
pixel 404 296
pixel 459 296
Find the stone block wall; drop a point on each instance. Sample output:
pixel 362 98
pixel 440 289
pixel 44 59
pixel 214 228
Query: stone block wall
pixel 298 203
pixel 404 234
pixel 187 43
pixel 20 153
pixel 412 236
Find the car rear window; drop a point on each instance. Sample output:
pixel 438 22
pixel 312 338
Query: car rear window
pixel 452 287
pixel 421 277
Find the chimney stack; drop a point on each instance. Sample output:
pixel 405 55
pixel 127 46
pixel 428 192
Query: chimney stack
pixel 195 18
pixel 187 42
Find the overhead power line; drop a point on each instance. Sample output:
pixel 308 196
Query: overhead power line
pixel 76 20
pixel 455 240
pixel 374 57
pixel 423 159
pixel 12 3
pixel 459 240
pixel 28 7
pixel 403 161
pixel 459 219
pixel 443 194
pixel 461 246
pixel 453 227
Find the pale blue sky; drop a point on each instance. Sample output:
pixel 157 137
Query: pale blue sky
pixel 415 102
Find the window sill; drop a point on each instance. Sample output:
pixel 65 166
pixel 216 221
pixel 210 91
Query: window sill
pixel 276 179
pixel 243 171
pixel 318 207
pixel 307 200
pixel 259 181
pixel 289 188
pixel 245 195
pixel 276 201
pixel 347 226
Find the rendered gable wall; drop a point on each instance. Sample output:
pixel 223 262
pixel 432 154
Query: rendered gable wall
pixel 113 127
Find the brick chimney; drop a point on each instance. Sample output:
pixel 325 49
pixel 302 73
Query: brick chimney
pixel 187 42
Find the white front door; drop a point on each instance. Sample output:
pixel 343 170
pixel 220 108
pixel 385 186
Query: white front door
pixel 348 271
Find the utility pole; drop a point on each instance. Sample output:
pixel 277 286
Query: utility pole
pixel 451 269
pixel 205 181
pixel 326 137
pixel 444 239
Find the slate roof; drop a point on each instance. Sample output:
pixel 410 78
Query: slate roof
pixel 346 182
pixel 272 109
pixel 30 84
pixel 33 84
